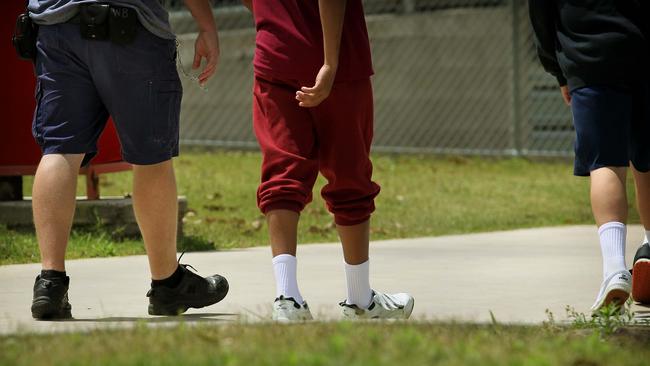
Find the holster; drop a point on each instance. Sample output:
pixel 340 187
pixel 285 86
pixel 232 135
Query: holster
pixel 100 21
pixel 24 38
pixel 93 21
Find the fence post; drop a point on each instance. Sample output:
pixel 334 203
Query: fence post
pixel 516 79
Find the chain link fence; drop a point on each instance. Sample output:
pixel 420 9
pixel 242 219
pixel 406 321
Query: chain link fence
pixel 451 77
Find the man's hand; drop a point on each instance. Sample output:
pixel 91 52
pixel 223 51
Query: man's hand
pixel 206 46
pixel 207 42
pixel 311 97
pixel 565 94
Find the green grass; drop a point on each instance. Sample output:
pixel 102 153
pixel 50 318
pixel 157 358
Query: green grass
pixel 332 344
pixel 421 196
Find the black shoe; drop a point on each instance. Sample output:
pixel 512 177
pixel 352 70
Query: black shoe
pixel 51 298
pixel 194 291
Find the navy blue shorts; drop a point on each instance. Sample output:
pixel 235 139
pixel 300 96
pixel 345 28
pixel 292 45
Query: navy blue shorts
pixel 612 127
pixel 81 82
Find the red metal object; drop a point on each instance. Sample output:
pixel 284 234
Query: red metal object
pixel 19 153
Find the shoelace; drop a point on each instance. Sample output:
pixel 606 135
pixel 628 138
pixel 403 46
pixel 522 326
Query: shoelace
pixel 285 306
pixel 186 265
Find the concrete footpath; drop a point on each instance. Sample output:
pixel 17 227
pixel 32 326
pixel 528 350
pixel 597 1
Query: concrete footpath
pixel 516 275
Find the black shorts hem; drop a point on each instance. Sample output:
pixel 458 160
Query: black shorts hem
pixel 642 169
pixel 62 150
pixel 581 171
pixel 149 160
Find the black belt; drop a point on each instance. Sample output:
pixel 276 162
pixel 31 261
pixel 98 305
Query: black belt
pixel 101 21
pixel 76 19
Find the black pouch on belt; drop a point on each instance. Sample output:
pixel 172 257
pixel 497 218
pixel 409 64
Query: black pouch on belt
pixel 93 19
pixel 24 38
pixel 123 25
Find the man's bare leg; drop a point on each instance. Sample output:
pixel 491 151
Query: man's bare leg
pixel 608 195
pixel 53 203
pixel 174 289
pixel 609 206
pixel 156 210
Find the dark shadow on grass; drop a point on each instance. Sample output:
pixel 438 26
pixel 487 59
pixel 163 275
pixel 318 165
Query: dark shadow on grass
pixel 184 318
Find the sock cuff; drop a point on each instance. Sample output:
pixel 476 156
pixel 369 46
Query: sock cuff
pixel 50 273
pixel 353 267
pixel 286 283
pixel 610 225
pixel 359 290
pixel 172 281
pixel 284 258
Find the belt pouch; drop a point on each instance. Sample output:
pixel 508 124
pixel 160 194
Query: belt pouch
pixel 24 38
pixel 93 20
pixel 123 25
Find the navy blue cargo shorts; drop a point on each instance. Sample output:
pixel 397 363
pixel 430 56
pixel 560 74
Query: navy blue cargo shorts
pixel 81 82
pixel 612 127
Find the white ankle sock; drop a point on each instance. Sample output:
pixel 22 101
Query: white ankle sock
pixel 612 244
pixel 647 236
pixel 286 282
pixel 358 279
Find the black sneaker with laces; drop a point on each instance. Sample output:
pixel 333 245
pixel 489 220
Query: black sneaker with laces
pixel 51 298
pixel 193 291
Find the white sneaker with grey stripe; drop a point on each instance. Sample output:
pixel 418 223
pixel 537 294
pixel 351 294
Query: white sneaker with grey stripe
pixel 383 306
pixel 287 309
pixel 614 290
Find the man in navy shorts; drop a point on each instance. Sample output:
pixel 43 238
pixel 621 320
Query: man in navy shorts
pixel 599 51
pixel 100 58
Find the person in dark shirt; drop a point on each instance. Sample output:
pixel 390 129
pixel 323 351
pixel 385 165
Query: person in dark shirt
pixel 599 52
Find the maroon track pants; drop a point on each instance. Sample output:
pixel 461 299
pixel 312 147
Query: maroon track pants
pixel 333 138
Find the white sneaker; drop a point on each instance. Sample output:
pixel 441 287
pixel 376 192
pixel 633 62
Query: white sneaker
pixel 286 309
pixel 615 289
pixel 383 306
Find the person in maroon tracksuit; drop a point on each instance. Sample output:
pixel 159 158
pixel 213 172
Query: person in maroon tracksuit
pixel 313 112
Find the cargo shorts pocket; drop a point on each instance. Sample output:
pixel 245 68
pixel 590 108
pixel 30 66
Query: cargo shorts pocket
pixel 166 104
pixel 37 123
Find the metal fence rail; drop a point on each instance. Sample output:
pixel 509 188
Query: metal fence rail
pixel 451 76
